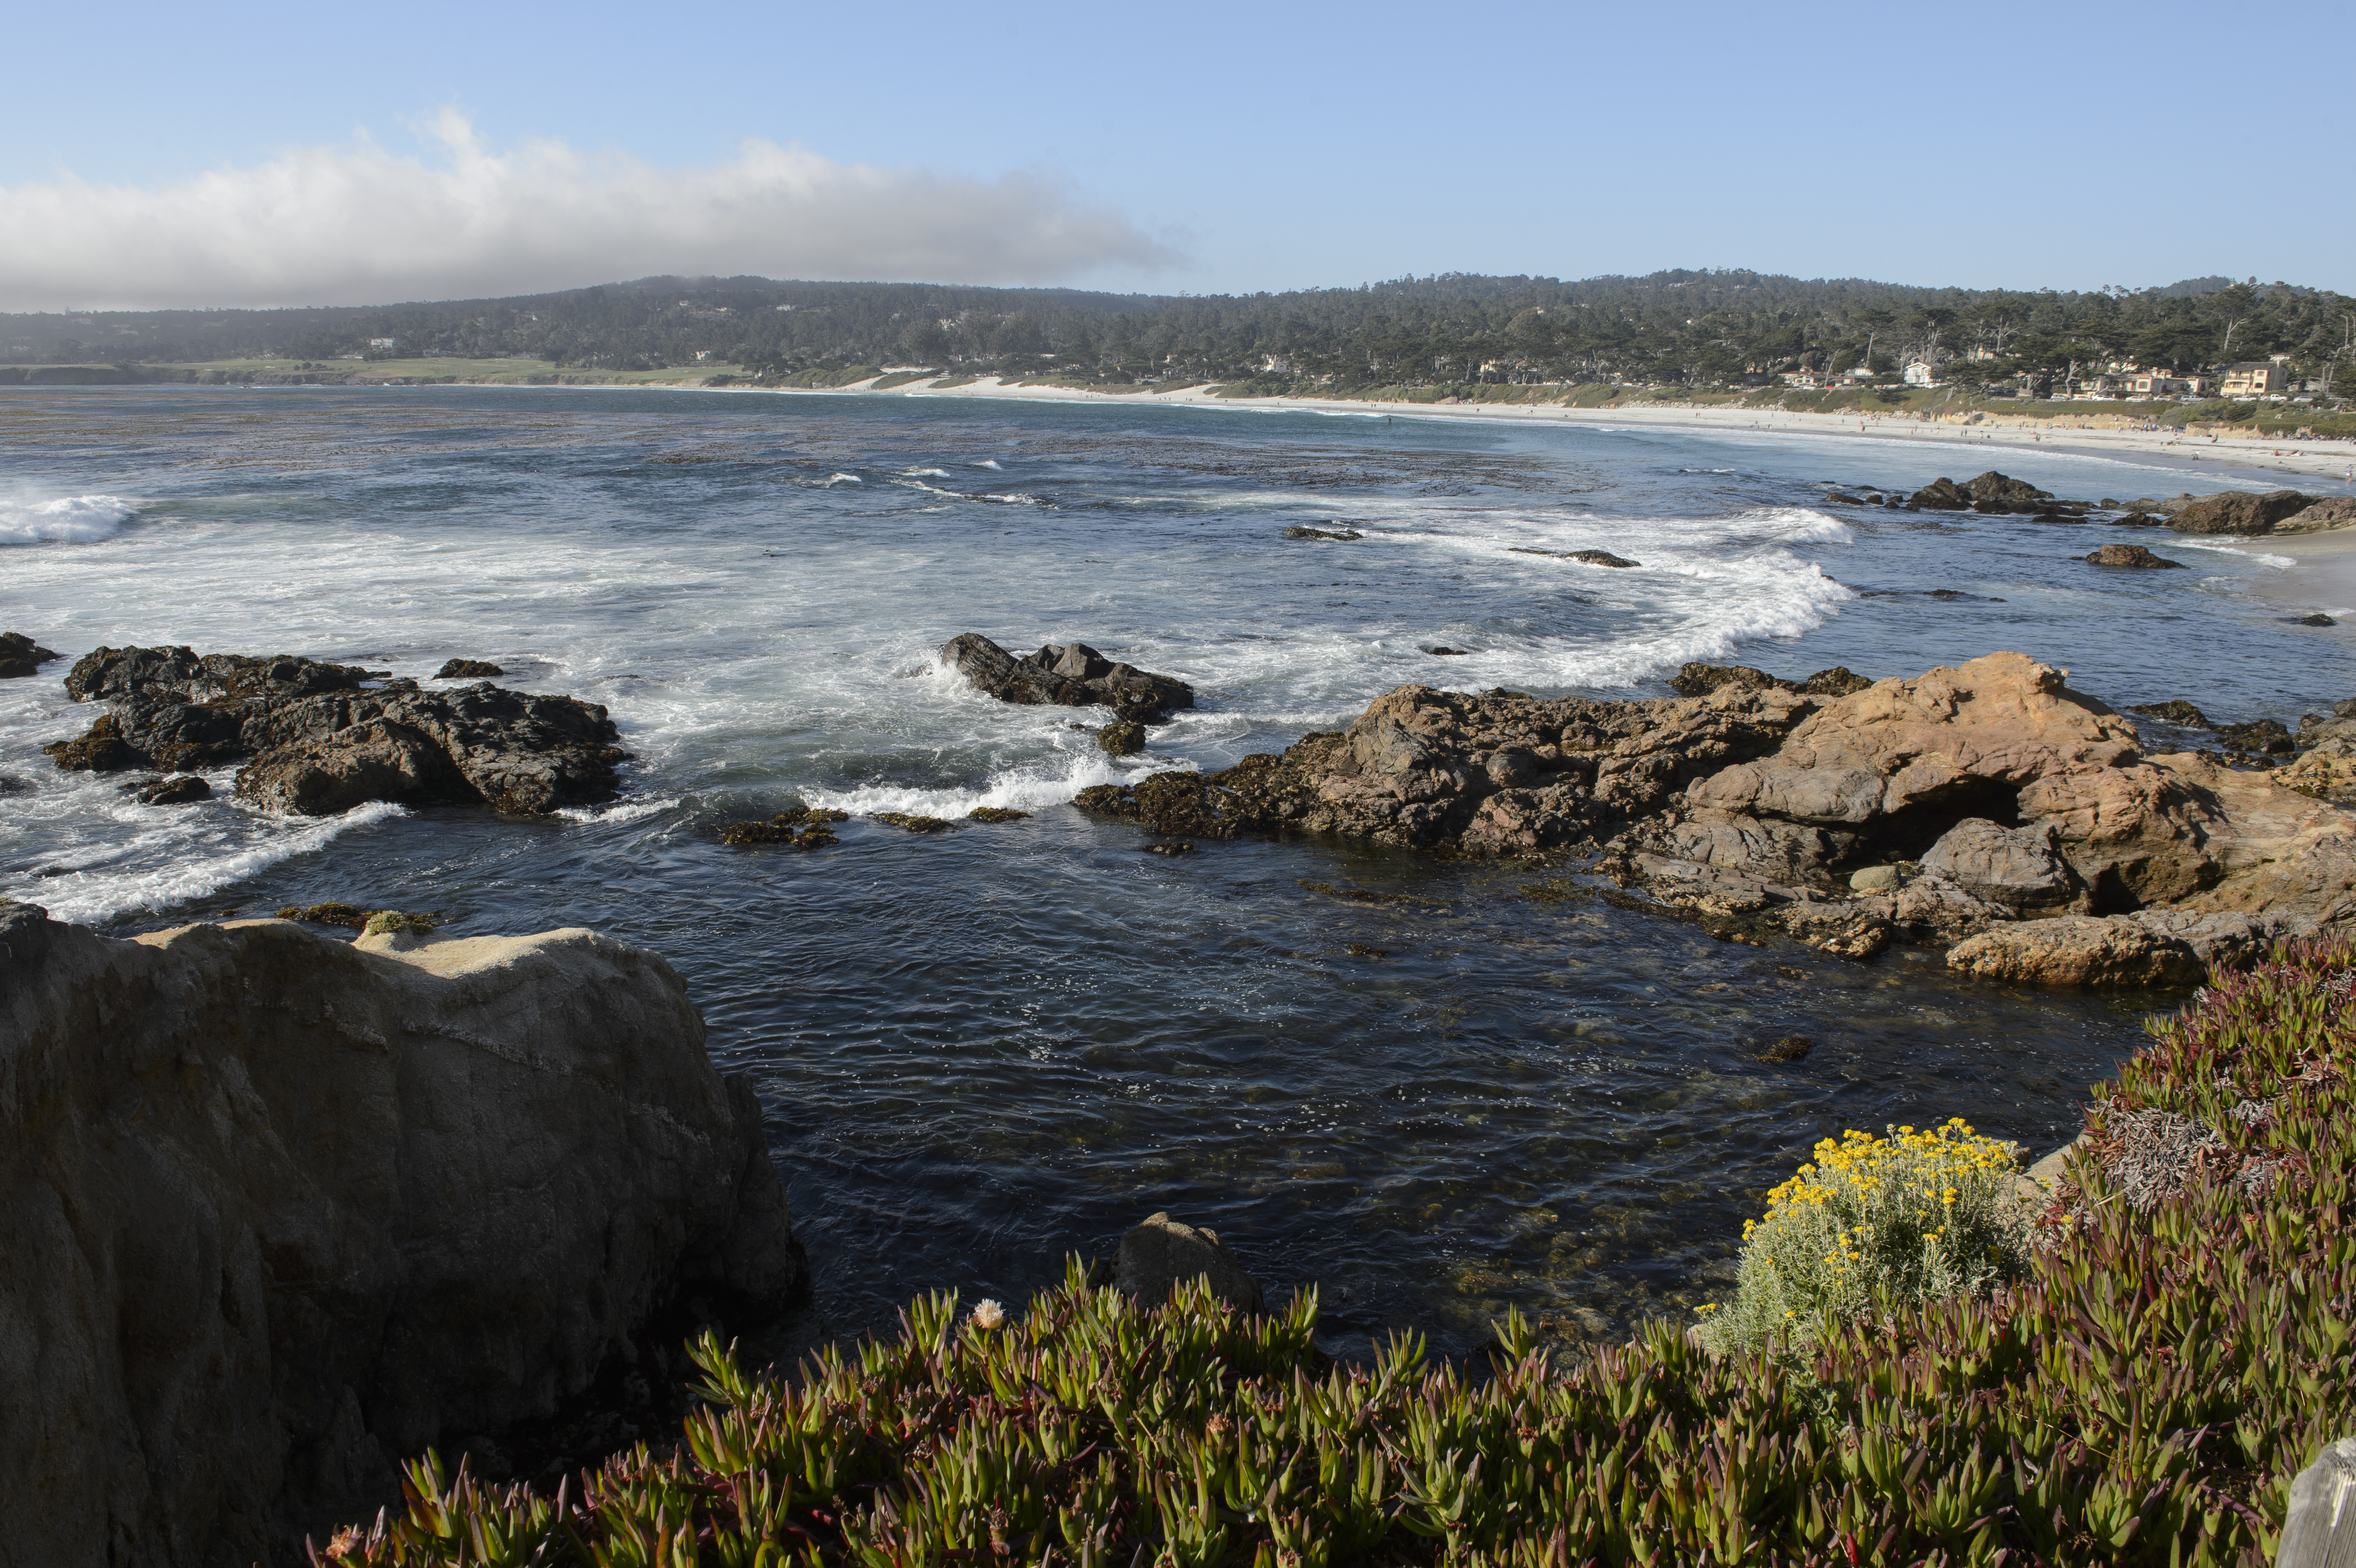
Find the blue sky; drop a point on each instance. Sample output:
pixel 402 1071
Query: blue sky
pixel 1211 147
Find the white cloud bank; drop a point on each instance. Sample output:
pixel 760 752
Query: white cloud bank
pixel 355 225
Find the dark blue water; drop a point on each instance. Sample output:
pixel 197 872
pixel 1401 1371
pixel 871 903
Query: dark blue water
pixel 986 1048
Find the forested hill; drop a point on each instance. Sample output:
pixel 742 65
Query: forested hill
pixel 1700 328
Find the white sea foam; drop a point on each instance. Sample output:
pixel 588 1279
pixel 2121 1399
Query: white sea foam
pixel 626 811
pixel 159 857
pixel 71 519
pixel 987 462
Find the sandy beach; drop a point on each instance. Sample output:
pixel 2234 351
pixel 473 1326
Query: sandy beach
pixel 2320 467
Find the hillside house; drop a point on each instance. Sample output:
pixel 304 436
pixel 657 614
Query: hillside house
pixel 1922 373
pixel 381 344
pixel 2255 378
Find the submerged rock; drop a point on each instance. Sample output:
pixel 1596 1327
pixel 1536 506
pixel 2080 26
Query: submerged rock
pixel 910 822
pixel 1160 1253
pixel 20 656
pixel 182 789
pixel 1074 675
pixel 2176 710
pixel 317 743
pixel 1343 536
pixel 282 1210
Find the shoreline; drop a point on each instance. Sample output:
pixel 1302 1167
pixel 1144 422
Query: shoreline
pixel 2331 460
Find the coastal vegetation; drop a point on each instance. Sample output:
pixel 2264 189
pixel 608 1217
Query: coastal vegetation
pixel 1686 331
pixel 2140 1388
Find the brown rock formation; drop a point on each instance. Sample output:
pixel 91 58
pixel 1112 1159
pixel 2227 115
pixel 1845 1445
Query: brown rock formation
pixel 279 1211
pixel 2239 512
pixel 1979 797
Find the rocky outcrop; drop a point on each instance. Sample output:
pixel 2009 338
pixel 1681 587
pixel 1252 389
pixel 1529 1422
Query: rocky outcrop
pixel 2337 512
pixel 1935 809
pixel 1074 675
pixel 317 739
pixel 2133 556
pixel 2239 512
pixel 1992 492
pixel 468 669
pixel 20 656
pixel 1160 1253
pixel 279 1211
pixel 1701 679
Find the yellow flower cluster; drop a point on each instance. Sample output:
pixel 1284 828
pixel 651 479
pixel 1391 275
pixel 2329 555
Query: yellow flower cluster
pixel 1909 1215
pixel 1859 1162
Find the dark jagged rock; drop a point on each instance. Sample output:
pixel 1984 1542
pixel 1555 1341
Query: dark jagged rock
pixel 1701 679
pixel 1601 557
pixel 317 743
pixel 1122 739
pixel 1940 495
pixel 996 814
pixel 1441 650
pixel 2239 512
pixel 1837 681
pixel 1074 675
pixel 2176 710
pixel 468 669
pixel 1841 498
pixel 2318 619
pixel 2005 493
pixel 1344 536
pixel 10 784
pixel 2133 556
pixel 183 790
pixel 20 656
pixel 2264 737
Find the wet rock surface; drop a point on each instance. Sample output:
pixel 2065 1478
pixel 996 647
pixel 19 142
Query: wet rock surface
pixel 2238 512
pixel 184 789
pixel 1073 676
pixel 468 669
pixel 318 740
pixel 1160 1253
pixel 1982 799
pixel 20 656
pixel 2133 556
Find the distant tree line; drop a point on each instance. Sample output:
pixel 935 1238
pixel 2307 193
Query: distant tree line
pixel 1702 329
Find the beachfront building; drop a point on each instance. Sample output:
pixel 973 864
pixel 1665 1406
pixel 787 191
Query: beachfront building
pixel 381 344
pixel 2163 384
pixel 1804 380
pixel 1922 373
pixel 2256 379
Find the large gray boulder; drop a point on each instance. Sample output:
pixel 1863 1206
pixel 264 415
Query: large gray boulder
pixel 1160 1253
pixel 276 1211
pixel 2018 868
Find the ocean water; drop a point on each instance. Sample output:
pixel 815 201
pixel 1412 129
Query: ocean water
pixel 1431 1089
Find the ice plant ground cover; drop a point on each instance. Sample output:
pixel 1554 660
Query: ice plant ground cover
pixel 2141 1393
